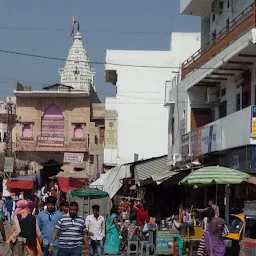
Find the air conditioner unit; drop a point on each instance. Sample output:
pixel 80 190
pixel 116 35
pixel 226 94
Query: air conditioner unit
pixel 212 95
pixel 176 158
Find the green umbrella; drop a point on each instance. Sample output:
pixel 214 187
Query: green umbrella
pixel 215 175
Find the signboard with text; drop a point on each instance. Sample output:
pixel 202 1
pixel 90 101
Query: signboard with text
pixel 50 141
pixel 253 127
pixel 164 242
pixel 8 164
pixel 74 158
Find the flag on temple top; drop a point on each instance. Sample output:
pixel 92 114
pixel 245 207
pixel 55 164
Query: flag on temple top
pixel 73 22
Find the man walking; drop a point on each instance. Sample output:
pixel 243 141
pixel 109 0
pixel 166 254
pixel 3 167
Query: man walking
pixel 47 221
pixel 72 233
pixel 95 224
pixel 9 208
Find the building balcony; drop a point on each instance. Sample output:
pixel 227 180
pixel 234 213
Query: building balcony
pixel 236 29
pixel 51 144
pixel 232 131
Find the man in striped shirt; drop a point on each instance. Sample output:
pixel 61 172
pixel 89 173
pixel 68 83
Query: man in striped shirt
pixel 72 233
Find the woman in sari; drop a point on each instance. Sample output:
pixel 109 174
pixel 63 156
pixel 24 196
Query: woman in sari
pixel 212 243
pixel 112 245
pixel 213 239
pixel 25 236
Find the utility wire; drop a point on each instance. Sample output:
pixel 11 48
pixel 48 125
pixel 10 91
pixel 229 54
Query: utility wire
pixel 94 62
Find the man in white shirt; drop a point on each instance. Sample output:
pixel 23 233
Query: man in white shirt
pixel 95 224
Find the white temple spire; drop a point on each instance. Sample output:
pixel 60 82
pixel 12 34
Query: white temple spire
pixel 77 71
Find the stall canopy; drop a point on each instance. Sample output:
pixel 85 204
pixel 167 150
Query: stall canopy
pixel 215 175
pixel 112 181
pixel 153 170
pixel 71 180
pixel 86 192
pixel 21 182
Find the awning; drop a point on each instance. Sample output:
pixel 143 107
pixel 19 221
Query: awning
pixel 20 184
pixel 162 177
pixel 67 184
pixel 112 181
pixel 147 169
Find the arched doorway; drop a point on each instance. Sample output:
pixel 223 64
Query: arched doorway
pixel 52 124
pixel 51 168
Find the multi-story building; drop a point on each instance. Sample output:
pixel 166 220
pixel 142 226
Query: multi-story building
pixel 136 118
pixel 214 115
pixel 63 123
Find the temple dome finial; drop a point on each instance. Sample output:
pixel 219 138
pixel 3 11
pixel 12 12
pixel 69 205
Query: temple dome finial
pixel 78 35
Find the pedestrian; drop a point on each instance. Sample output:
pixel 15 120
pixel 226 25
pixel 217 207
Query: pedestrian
pixel 211 204
pixel 210 214
pixel 141 214
pixel 112 245
pixel 95 224
pixel 47 221
pixel 25 237
pixel 72 233
pixel 213 239
pixel 9 208
pixel 64 208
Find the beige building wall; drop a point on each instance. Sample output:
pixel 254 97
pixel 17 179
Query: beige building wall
pixel 75 110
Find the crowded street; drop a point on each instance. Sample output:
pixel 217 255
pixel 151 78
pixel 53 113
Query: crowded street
pixel 128 128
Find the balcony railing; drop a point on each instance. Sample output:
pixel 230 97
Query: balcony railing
pixel 236 28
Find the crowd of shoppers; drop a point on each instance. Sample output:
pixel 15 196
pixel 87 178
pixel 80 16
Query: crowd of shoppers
pixel 52 230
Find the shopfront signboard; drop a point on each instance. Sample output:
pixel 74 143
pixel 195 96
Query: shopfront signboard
pixel 8 164
pixel 50 141
pixel 164 241
pixel 74 158
pixel 253 124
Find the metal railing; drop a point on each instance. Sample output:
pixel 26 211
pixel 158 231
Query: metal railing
pixel 236 28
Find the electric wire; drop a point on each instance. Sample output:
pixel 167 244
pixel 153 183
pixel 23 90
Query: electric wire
pixel 96 62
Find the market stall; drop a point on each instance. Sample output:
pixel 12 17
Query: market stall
pixel 217 175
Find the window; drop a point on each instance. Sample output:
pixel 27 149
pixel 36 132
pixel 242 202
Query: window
pixel 5 137
pixel 223 92
pixel 214 34
pixel 213 17
pixel 78 131
pixel 213 6
pixel 221 5
pixel 96 140
pixel 228 4
pixel 223 109
pixel 238 101
pixel 227 23
pixel 26 130
pixel 246 98
pixel 173 131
